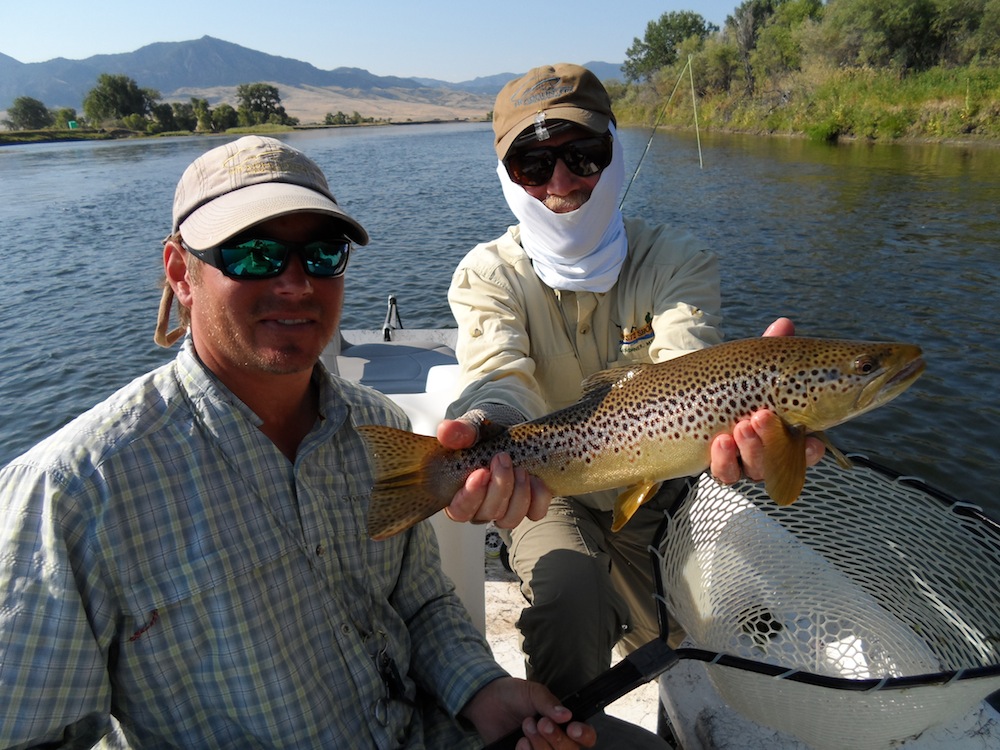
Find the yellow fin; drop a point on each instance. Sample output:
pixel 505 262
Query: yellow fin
pixel 784 461
pixel 629 501
pixel 403 494
pixel 843 461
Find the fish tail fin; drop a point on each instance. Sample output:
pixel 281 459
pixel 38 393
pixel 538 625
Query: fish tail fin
pixel 404 492
pixel 628 502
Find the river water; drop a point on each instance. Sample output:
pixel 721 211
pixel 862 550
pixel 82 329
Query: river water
pixel 854 241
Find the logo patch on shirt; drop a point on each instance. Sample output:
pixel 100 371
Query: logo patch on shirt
pixel 637 338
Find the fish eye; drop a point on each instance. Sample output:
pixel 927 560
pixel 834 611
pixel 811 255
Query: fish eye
pixel 864 364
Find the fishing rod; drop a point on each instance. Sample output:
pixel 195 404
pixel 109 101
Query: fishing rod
pixel 656 124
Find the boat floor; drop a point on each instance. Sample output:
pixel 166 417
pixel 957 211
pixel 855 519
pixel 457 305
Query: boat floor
pixel 504 603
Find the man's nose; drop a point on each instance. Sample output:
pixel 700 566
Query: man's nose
pixel 562 181
pixel 294 278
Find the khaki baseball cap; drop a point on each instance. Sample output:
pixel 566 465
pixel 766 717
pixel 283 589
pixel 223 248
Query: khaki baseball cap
pixel 552 92
pixel 248 181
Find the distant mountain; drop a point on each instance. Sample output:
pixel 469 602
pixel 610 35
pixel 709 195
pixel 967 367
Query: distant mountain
pixel 169 66
pixel 213 68
pixel 491 85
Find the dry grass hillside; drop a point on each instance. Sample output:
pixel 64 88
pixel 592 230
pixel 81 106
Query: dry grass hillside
pixel 310 104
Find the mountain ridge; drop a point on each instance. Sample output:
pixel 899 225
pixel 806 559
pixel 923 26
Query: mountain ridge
pixel 212 68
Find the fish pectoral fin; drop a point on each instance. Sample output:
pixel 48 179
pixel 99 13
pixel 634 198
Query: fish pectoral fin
pixel 628 502
pixel 843 461
pixel 784 461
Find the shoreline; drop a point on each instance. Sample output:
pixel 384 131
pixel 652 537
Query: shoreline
pixel 28 137
pixel 18 138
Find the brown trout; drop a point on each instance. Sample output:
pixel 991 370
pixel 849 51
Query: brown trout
pixel 637 426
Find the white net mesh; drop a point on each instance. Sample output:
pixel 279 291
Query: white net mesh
pixel 862 584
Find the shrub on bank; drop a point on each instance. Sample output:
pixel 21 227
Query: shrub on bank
pixel 827 104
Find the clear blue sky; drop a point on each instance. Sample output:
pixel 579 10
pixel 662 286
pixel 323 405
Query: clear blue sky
pixel 451 40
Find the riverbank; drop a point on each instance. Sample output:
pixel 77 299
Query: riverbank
pixel 823 104
pixel 14 137
pixel 21 137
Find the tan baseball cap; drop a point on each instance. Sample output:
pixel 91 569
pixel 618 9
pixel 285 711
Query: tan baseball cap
pixel 552 92
pixel 248 181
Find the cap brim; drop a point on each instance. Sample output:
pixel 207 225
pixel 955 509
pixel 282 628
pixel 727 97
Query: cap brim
pixel 595 122
pixel 235 212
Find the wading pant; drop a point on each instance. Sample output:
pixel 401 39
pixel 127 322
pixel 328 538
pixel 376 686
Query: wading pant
pixel 588 588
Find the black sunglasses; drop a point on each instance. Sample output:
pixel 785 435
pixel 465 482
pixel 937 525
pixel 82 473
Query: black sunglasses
pixel 264 258
pixel 583 157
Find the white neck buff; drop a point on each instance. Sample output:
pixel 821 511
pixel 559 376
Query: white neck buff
pixel 580 251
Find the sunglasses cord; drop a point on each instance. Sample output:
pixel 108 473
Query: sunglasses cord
pixel 663 111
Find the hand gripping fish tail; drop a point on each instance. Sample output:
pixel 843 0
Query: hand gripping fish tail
pixel 637 426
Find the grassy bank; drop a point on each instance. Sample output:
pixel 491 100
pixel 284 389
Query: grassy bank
pixel 52 135
pixel 939 104
pixel 8 137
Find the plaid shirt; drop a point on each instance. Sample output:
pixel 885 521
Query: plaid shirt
pixel 161 561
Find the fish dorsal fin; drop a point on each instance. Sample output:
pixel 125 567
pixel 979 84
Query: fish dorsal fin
pixel 784 461
pixel 605 380
pixel 629 501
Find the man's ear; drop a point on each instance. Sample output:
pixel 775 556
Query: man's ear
pixel 175 268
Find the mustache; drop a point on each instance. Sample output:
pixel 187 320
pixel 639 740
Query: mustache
pixel 562 204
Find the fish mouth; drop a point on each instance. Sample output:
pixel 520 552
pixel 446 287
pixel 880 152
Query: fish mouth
pixel 884 389
pixel 910 372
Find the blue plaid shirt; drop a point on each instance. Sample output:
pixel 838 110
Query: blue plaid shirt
pixel 161 561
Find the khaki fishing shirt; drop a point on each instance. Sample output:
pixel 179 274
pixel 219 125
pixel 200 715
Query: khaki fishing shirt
pixel 163 562
pixel 526 346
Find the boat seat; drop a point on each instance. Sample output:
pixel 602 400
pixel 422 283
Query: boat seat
pixel 393 367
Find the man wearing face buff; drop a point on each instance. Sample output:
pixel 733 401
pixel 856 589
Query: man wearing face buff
pixel 575 288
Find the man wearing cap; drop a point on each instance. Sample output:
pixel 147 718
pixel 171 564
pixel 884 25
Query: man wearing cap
pixel 572 289
pixel 190 557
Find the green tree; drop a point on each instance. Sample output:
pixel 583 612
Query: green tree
pixel 64 116
pixel 117 96
pixel 658 48
pixel 135 122
pixel 888 33
pixel 162 118
pixel 28 114
pixel 259 103
pixel 202 113
pixel 717 66
pixel 224 117
pixel 987 38
pixel 744 26
pixel 184 116
pixel 779 47
pixel 964 29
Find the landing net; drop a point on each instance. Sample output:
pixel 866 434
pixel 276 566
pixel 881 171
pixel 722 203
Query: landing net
pixel 859 616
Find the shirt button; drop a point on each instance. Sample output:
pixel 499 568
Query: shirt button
pixel 345 629
pixel 319 550
pixel 584 330
pixel 381 711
